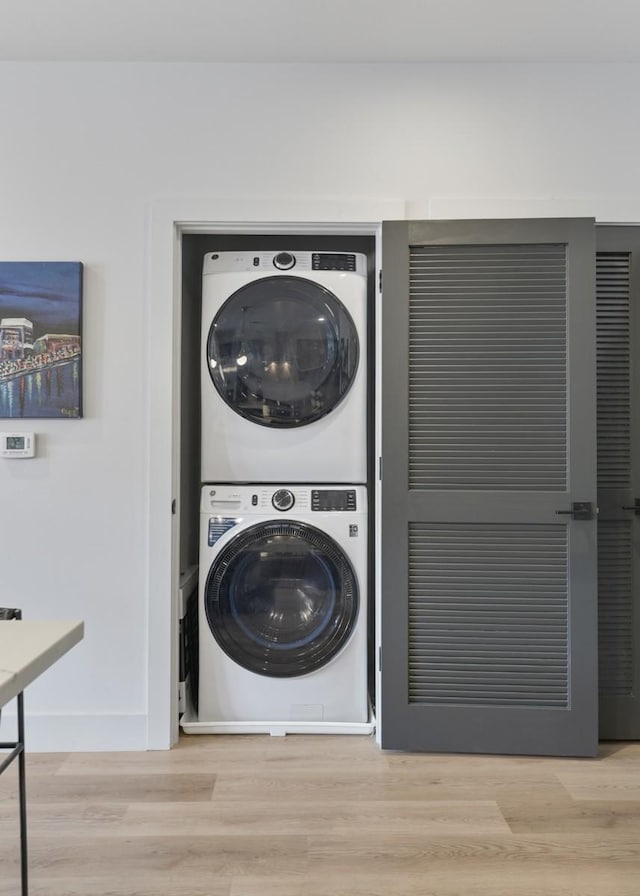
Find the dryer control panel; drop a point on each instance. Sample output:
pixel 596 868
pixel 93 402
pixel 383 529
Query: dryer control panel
pixel 333 261
pixel 284 262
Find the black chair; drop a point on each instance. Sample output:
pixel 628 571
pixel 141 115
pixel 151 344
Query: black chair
pixel 17 752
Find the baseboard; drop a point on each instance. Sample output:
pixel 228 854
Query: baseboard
pixel 77 733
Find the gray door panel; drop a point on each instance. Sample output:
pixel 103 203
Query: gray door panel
pixel 618 337
pixel 489 621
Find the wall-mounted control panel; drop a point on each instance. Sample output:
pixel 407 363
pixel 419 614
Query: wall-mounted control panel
pixel 17 444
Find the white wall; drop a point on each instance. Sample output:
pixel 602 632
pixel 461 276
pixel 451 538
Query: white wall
pixel 84 149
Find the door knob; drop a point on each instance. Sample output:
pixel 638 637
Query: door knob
pixel 635 507
pixel 580 510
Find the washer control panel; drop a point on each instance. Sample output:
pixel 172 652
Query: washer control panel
pixel 241 501
pixel 333 499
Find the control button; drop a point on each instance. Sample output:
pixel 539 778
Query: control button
pixel 256 261
pixel 283 499
pixel 284 261
pixel 254 500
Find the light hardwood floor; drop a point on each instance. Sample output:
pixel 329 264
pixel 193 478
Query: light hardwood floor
pixel 324 816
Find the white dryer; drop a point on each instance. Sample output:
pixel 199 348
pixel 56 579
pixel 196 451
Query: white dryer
pixel 282 610
pixel 284 378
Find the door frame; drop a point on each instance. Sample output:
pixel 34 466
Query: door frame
pixel 168 221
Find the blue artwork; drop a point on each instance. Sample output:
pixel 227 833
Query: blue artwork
pixel 40 339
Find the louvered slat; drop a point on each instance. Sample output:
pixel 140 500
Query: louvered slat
pixel 487 367
pixel 613 359
pixel 615 607
pixel 488 614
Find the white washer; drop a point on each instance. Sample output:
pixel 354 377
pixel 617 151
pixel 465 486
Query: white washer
pixel 284 374
pixel 282 610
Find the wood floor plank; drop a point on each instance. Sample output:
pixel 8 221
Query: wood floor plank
pixel 142 764
pixel 289 784
pixel 612 782
pixel 351 748
pixel 95 857
pixel 511 881
pixel 147 883
pixel 554 815
pixel 38 765
pixel 336 818
pixel 70 816
pixel 44 763
pixel 120 788
pixel 214 753
pixel 415 852
pixel 620 751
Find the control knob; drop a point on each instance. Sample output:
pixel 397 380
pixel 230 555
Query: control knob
pixel 284 261
pixel 283 499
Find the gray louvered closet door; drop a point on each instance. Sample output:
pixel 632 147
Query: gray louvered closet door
pixel 489 610
pixel 618 295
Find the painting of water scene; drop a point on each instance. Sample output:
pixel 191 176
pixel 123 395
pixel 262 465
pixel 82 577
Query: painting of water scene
pixel 41 339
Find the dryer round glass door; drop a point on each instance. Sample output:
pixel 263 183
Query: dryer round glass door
pixel 281 599
pixel 282 351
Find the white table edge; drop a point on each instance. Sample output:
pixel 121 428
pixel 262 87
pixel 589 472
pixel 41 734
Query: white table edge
pixel 29 647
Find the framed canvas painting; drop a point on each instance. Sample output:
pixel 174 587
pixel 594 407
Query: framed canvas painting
pixel 40 339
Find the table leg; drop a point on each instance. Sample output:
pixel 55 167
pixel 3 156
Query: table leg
pixel 17 752
pixel 22 788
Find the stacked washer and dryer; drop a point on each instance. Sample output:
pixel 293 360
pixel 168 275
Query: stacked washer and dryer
pixel 283 590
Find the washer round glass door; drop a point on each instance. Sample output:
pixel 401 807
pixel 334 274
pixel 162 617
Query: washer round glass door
pixel 282 351
pixel 281 599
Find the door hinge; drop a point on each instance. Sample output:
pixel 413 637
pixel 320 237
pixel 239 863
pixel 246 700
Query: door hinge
pixel 173 507
pixel 379 659
pixel 380 280
pixel 380 469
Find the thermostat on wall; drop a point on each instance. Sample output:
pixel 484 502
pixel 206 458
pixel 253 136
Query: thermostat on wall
pixel 17 444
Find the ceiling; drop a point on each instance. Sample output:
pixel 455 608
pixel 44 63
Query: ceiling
pixel 358 31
